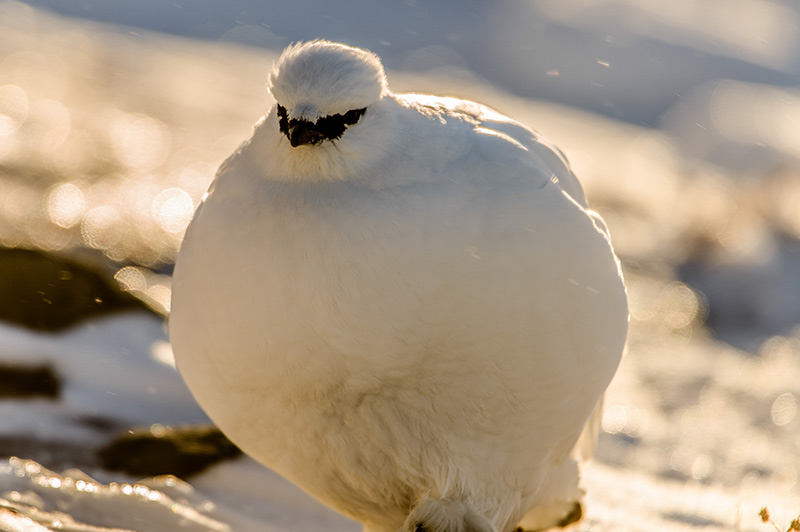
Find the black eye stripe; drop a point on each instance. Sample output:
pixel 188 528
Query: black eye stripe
pixel 348 119
pixel 330 127
pixel 283 119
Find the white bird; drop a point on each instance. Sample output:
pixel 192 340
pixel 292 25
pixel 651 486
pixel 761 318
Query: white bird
pixel 401 303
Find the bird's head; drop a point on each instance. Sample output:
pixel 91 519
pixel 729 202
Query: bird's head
pixel 322 88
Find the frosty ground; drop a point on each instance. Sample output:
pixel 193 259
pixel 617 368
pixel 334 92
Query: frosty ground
pixel 109 136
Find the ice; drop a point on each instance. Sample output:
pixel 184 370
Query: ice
pixel 112 373
pixel 74 501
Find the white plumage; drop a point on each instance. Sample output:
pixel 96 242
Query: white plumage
pixel 407 310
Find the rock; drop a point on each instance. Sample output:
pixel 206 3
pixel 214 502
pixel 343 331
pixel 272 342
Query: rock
pixel 44 292
pixel 29 382
pixel 179 451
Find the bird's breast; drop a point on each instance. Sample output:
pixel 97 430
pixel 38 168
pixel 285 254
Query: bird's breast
pixel 300 306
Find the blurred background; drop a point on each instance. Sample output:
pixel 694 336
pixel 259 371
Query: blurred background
pixel 681 118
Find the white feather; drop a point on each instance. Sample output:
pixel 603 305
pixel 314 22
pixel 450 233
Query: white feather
pixel 321 78
pixel 423 310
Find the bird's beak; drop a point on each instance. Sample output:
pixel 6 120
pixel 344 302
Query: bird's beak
pixel 303 132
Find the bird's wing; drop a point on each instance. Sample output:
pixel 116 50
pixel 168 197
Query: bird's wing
pixel 542 153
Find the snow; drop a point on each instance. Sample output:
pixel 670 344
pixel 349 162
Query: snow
pixel 112 370
pixel 702 422
pixel 156 504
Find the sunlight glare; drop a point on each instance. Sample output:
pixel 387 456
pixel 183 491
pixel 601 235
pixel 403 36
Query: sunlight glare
pixel 131 279
pixel 161 351
pixel 65 204
pixel 161 295
pixel 779 348
pixel 142 142
pixel 172 209
pixel 195 179
pixel 13 108
pixel 20 203
pixel 53 124
pixel 784 409
pixel 101 227
pixel 682 305
pixel 644 298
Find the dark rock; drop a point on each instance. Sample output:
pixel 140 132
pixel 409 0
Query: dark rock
pixel 29 382
pixel 45 292
pixel 103 424
pixel 179 451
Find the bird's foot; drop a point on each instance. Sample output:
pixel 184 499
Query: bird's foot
pixel 575 515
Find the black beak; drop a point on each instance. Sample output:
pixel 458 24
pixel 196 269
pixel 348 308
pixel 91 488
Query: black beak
pixel 303 132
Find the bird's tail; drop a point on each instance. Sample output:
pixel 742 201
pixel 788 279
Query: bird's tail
pixel 446 515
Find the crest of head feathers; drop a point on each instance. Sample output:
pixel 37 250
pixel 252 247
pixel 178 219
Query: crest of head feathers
pixel 319 78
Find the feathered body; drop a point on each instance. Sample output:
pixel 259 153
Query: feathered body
pixel 413 322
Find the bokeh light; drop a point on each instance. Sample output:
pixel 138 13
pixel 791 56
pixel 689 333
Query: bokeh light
pixel 784 409
pixel 101 227
pixel 141 142
pixel 131 279
pixel 173 209
pixel 13 108
pixel 81 167
pixel 65 204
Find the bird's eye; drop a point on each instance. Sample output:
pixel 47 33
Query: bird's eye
pixel 283 119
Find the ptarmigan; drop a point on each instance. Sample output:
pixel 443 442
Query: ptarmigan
pixel 401 303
